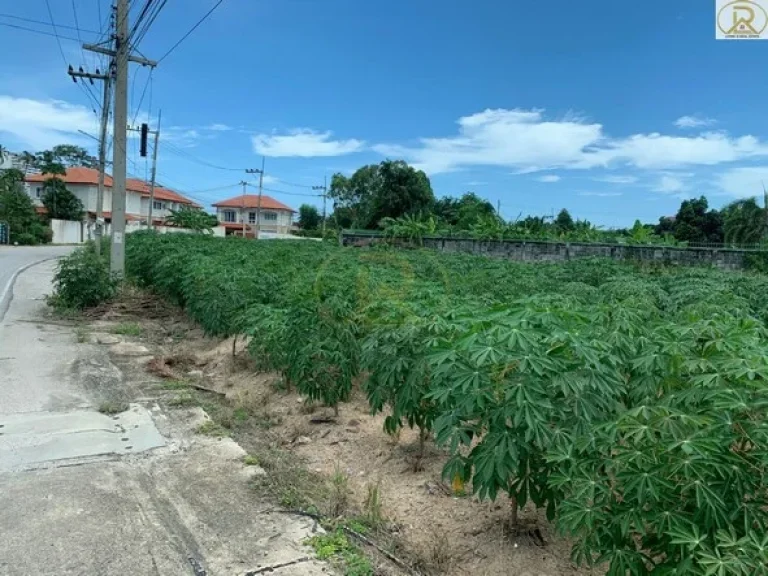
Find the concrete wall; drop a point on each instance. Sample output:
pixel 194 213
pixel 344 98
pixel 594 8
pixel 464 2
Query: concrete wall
pixel 534 251
pixel 68 232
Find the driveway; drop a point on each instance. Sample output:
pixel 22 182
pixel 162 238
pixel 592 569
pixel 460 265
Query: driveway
pixel 15 258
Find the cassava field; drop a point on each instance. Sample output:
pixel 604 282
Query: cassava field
pixel 628 402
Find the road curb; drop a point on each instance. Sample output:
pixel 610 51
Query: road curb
pixel 6 296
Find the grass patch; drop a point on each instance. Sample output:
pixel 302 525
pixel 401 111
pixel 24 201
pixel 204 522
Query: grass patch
pixel 211 428
pixel 174 385
pixel 250 460
pixel 111 408
pixel 336 548
pixel 127 329
pixel 183 399
pixel 290 483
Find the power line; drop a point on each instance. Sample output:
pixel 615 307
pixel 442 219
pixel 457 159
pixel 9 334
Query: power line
pixel 77 24
pixel 188 156
pixel 143 93
pixel 56 32
pixel 207 14
pixel 58 36
pixel 287 193
pixel 42 23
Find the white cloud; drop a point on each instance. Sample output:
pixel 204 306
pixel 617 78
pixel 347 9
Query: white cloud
pixel 268 180
pixel 520 139
pixel 528 142
pixel 601 194
pixel 669 184
pixel 304 143
pixel 616 179
pixel 41 124
pixel 744 182
pixel 219 127
pixel 694 122
pixel 549 178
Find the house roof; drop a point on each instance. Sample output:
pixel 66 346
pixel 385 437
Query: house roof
pixel 252 201
pixel 79 175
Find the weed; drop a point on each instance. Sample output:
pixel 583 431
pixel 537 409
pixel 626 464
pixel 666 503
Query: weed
pixel 250 460
pixel 113 407
pixel 183 399
pixel 336 548
pixel 211 428
pixel 82 334
pixel 338 501
pixel 127 329
pixel 438 553
pixel 372 512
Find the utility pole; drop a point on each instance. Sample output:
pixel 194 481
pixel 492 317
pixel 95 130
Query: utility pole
pixel 121 55
pixel 156 134
pixel 242 210
pixel 107 78
pixel 258 203
pixel 324 188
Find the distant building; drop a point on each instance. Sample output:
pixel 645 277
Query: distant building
pixel 83 183
pixel 276 217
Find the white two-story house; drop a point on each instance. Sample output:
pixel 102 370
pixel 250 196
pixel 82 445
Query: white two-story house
pixel 83 183
pixel 243 212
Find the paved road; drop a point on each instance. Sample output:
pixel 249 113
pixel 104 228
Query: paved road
pixel 13 258
pixel 138 493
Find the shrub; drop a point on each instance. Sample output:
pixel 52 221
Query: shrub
pixel 82 280
pixel 25 239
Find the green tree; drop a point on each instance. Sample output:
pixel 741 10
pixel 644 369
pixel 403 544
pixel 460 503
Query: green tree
pixel 192 219
pixel 464 212
pixel 390 189
pixel 744 222
pixel 60 202
pixel 564 221
pixel 17 208
pixel 309 217
pixel 696 223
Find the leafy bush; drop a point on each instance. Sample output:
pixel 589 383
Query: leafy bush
pixel 82 280
pixel 26 239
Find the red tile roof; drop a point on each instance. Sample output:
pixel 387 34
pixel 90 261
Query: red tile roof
pixel 252 201
pixel 91 176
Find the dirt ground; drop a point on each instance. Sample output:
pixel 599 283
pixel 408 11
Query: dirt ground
pixel 423 523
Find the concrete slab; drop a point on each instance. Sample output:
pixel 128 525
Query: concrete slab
pixel 30 439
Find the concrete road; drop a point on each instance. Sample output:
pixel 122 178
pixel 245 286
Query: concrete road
pixel 138 493
pixel 15 258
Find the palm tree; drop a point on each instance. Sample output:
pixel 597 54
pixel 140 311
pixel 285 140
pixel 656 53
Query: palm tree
pixel 745 222
pixel 28 159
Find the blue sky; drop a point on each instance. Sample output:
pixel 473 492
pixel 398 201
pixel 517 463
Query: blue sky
pixel 614 110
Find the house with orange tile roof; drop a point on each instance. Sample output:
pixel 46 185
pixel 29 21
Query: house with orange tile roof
pixel 243 211
pixel 83 183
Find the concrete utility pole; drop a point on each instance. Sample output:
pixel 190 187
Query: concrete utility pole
pixel 107 78
pixel 242 210
pixel 258 203
pixel 154 172
pixel 324 188
pixel 121 55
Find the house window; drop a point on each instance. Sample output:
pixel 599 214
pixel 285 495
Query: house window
pixel 39 192
pixel 270 216
pixel 229 216
pixel 251 217
pixel 157 205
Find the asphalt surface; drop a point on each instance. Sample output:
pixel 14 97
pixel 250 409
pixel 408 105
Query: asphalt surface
pixel 16 258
